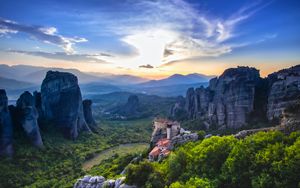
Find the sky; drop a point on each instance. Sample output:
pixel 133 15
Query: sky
pixel 151 38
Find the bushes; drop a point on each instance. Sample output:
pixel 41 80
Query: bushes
pixel 139 174
pixel 261 160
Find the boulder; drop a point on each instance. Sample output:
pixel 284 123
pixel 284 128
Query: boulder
pixel 28 118
pixel 6 127
pixel 183 138
pixel 119 182
pixel 87 111
pixel 62 102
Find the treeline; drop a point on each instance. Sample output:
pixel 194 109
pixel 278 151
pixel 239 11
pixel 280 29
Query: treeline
pixel 269 159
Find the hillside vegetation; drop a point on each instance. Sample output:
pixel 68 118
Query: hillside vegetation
pixel 260 160
pixel 59 164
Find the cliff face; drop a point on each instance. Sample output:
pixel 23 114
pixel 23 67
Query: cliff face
pixel 28 118
pixel 87 111
pixel 284 91
pixel 6 128
pixel 229 99
pixel 62 102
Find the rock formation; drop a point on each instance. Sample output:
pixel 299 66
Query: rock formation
pixel 177 109
pixel 38 102
pixel 100 182
pixel 285 89
pixel 62 102
pixel 28 118
pixel 131 110
pixel 6 127
pixel 228 99
pixel 132 106
pixel 291 117
pixel 87 111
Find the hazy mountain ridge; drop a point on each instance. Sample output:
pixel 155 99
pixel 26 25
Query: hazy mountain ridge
pixel 100 83
pixel 35 74
pixel 178 79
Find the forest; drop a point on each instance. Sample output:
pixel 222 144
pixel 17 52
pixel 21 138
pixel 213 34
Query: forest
pixel 265 159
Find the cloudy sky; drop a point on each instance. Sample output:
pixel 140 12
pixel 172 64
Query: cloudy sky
pixel 151 38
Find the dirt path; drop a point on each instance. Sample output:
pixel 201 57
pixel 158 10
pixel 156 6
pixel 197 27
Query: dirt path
pixel 120 150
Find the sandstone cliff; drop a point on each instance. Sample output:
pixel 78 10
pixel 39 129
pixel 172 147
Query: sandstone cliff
pixel 6 128
pixel 227 100
pixel 231 99
pixel 284 91
pixel 28 118
pixel 62 102
pixel 87 111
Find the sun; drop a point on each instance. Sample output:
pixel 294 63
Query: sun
pixel 150 46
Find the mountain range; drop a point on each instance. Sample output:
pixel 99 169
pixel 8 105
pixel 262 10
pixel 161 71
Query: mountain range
pixel 24 77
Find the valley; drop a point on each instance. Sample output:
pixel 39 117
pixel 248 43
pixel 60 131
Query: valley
pixel 119 150
pixel 115 137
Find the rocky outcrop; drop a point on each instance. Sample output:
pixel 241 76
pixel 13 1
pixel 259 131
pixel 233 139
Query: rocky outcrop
pixel 130 110
pixel 62 102
pixel 6 127
pixel 284 91
pixel 233 97
pixel 131 107
pixel 239 95
pixel 28 118
pixel 100 182
pixel 38 102
pixel 291 117
pixel 87 111
pixel 177 110
pixel 183 138
pixel 227 100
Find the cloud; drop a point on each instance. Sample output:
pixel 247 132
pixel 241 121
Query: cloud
pixel 91 58
pixel 148 66
pixel 44 34
pixel 190 32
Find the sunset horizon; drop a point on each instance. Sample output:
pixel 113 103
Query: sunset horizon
pixel 151 39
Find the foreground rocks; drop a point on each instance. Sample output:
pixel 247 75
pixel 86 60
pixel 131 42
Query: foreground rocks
pixel 100 182
pixel 231 99
pixel 28 118
pixel 6 139
pixel 62 102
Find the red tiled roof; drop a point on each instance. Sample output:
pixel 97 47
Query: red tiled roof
pixel 163 142
pixel 155 151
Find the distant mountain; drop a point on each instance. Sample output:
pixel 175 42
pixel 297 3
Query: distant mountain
pixel 178 79
pixel 171 90
pixel 150 105
pixel 126 79
pixel 15 87
pixel 96 88
pixel 36 74
pixel 11 84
